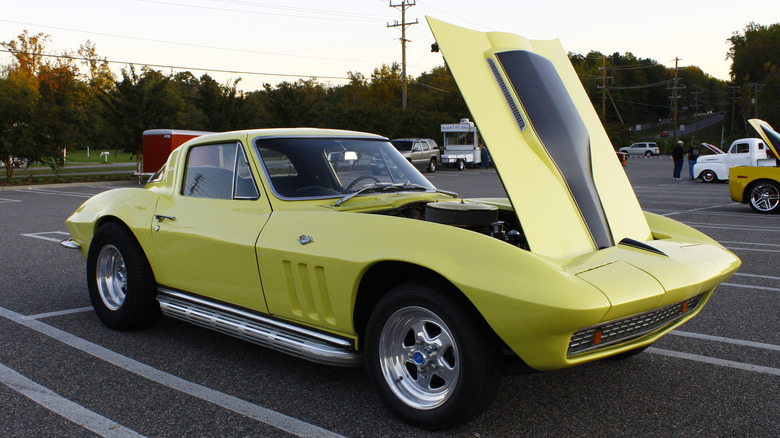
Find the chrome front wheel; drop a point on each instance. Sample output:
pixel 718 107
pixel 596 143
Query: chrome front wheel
pixel 419 358
pixel 430 355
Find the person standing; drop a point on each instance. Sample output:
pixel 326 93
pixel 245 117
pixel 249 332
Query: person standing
pixel 484 158
pixel 693 155
pixel 677 156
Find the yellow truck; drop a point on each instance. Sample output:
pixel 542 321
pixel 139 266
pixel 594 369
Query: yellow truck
pixel 759 187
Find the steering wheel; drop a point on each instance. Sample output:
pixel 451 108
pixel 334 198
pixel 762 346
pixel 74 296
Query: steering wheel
pixel 358 179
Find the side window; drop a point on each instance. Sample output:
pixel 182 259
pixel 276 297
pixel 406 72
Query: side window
pixel 417 147
pixel 244 185
pixel 216 170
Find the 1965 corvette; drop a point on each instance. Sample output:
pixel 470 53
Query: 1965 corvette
pixel 330 246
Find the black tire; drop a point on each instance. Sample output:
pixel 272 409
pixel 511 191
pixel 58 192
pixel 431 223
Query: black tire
pixel 709 176
pixel 764 196
pixel 431 357
pixel 648 154
pixel 460 164
pixel 120 281
pixel 432 165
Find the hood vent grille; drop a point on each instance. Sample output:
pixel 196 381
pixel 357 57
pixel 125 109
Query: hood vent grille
pixel 507 96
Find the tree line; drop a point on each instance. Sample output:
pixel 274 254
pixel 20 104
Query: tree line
pixel 73 100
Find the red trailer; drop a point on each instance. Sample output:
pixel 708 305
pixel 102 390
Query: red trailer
pixel 158 144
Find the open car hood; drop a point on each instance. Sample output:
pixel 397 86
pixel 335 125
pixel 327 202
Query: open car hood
pixel 550 149
pixel 769 135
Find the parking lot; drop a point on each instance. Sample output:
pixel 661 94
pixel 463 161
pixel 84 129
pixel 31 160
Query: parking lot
pixel 64 374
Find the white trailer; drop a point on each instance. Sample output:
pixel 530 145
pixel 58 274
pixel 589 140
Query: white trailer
pixel 461 144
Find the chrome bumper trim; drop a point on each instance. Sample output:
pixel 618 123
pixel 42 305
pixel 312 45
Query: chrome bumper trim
pixel 70 244
pixel 621 330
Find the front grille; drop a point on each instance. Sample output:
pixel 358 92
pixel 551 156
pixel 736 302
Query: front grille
pixel 613 332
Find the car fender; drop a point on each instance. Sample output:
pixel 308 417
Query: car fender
pixel 717 166
pixel 134 207
pixel 330 265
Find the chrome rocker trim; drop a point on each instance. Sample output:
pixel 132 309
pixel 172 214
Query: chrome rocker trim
pixel 70 244
pixel 274 334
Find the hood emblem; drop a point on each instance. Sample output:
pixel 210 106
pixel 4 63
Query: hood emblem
pixel 304 239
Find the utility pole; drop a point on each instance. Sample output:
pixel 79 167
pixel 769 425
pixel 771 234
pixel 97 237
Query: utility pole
pixel 674 101
pixel 403 25
pixel 696 112
pixel 604 89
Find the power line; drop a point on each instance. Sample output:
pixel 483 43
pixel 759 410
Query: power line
pixel 202 46
pixel 173 67
pixel 320 14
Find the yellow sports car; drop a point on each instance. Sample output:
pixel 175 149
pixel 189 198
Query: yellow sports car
pixel 759 186
pixel 330 246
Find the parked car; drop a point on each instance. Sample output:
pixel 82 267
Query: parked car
pixel 759 186
pixel 647 149
pixel 742 152
pixel 422 152
pixel 259 235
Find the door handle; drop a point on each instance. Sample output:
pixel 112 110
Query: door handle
pixel 161 217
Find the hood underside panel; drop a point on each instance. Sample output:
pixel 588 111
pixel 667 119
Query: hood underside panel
pixel 552 154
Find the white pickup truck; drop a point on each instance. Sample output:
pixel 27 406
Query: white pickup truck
pixel 743 152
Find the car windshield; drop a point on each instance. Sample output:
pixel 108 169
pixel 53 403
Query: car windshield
pixel 403 145
pixel 334 167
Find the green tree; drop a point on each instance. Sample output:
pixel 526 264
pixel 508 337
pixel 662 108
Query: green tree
pixel 294 104
pixel 755 58
pixel 137 103
pixel 18 94
pixel 221 105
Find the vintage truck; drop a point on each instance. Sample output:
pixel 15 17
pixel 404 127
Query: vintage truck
pixel 742 152
pixel 759 187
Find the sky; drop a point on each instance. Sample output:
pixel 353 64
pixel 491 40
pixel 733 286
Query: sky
pixel 270 41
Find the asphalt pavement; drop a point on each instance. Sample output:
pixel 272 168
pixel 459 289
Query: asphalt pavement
pixel 65 374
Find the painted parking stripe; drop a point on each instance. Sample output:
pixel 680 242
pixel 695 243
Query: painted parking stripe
pixel 734 248
pixel 732 227
pixel 696 209
pixel 60 313
pixel 750 286
pixel 715 361
pixel 63 407
pixel 766 277
pixel 272 418
pixel 8 201
pixel 739 342
pixel 43 235
pixel 60 193
pixel 773 245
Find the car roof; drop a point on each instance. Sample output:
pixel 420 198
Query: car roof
pixel 288 132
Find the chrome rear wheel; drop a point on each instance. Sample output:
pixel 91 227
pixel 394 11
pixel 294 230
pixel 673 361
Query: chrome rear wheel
pixel 111 277
pixel 765 197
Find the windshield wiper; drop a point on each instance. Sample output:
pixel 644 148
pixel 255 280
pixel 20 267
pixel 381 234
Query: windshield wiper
pixel 388 187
